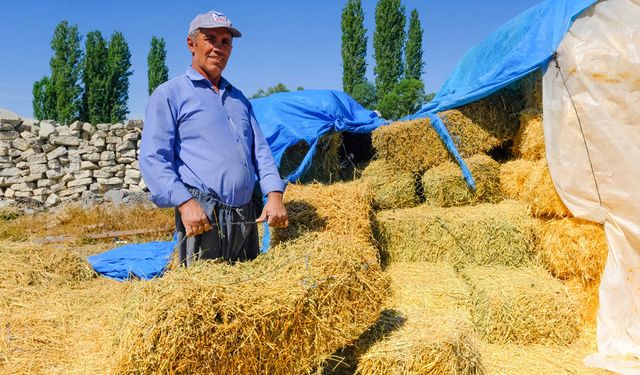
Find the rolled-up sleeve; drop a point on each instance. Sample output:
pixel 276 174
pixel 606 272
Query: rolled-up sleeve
pixel 157 158
pixel 263 161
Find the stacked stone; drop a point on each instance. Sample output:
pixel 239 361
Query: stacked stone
pixel 53 163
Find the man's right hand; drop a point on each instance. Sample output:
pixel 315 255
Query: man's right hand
pixel 193 217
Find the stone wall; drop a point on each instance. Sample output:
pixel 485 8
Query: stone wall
pixel 52 163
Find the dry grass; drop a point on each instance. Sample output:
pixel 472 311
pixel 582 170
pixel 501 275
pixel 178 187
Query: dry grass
pixel 531 89
pixel 54 313
pixel 325 165
pixel 469 137
pixel 283 313
pixel 391 188
pixel 343 209
pixel 410 146
pixel 444 185
pixel 530 181
pixel 523 306
pixel 436 336
pixel 513 359
pixel 529 142
pixel 573 248
pixel 497 114
pixel 484 234
pixel 75 220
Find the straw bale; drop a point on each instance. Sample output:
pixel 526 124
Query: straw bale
pixel 283 313
pixel 53 320
pixel 444 185
pixel 500 233
pixel 573 248
pixel 436 335
pixel 411 146
pixel 531 89
pixel 516 359
pixel 25 265
pixel 530 181
pixel 525 305
pixel 469 137
pixel 391 188
pixel 325 165
pixel 343 208
pixel 529 142
pixel 497 114
pixel 414 146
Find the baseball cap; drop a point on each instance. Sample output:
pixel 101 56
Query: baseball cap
pixel 213 19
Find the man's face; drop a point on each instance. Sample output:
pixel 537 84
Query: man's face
pixel 211 49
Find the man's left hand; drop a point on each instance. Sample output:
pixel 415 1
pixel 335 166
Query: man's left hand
pixel 274 212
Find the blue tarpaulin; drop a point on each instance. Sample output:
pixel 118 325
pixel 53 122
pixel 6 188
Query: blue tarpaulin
pixel 142 261
pixel 285 119
pixel 517 48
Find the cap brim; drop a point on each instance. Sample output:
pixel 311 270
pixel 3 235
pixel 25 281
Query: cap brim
pixel 234 32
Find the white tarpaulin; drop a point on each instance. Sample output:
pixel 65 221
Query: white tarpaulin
pixel 592 135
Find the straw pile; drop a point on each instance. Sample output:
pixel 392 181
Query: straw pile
pixel 529 142
pixel 325 165
pixel 436 336
pixel 24 265
pixel 530 181
pixel 497 114
pixel 391 188
pixel 53 312
pixel 531 89
pixel 410 146
pixel 341 208
pixel 413 146
pixel 444 185
pixel 484 234
pixel 521 306
pixel 573 248
pixel 283 313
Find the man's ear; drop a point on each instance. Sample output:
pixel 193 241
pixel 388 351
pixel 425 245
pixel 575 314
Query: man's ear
pixel 191 44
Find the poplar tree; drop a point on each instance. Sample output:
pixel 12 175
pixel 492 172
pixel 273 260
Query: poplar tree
pixel 65 72
pixel 157 71
pixel 354 46
pixel 95 101
pixel 413 51
pixel 44 100
pixel 118 64
pixel 388 43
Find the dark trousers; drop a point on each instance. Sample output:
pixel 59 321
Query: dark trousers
pixel 233 237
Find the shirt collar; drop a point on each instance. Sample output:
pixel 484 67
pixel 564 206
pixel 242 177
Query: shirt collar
pixel 194 75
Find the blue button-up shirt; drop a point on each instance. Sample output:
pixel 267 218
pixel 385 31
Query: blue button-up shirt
pixel 195 136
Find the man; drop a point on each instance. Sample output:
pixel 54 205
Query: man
pixel 202 148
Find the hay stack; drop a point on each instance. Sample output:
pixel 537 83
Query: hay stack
pixel 436 336
pixel 24 265
pixel 325 165
pixel 529 142
pixel 342 208
pixel 531 89
pixel 444 185
pixel 484 234
pixel 530 181
pixel 521 306
pixel 413 146
pixel 283 313
pixel 391 188
pixel 573 248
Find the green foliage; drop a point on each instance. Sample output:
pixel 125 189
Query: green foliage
pixel 365 94
pixel 413 51
pixel 299 88
pixel 118 64
pixel 354 46
pixel 280 87
pixel 388 42
pixel 406 98
pixel 44 100
pixel 157 70
pixel 95 101
pixel 429 97
pixel 65 72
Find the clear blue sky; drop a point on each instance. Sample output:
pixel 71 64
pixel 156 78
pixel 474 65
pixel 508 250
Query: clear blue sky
pixel 293 42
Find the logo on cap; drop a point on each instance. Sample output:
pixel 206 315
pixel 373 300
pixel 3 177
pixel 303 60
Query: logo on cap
pixel 219 17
